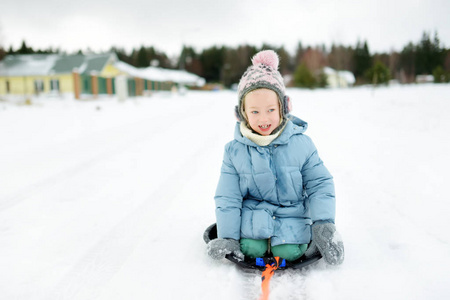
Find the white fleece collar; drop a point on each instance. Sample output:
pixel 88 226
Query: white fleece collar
pixel 260 140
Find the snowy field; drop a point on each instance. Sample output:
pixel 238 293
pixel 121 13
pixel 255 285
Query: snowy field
pixel 102 200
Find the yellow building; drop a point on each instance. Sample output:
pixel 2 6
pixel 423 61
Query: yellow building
pixel 52 73
pixel 84 76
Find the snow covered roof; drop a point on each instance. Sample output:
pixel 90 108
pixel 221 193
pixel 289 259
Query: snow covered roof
pixel 47 64
pixel 347 75
pixel 178 76
pixel 24 65
pixel 126 68
pixel 161 75
pixel 424 78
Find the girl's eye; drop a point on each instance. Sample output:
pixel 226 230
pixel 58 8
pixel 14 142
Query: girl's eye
pixel 254 112
pixel 271 110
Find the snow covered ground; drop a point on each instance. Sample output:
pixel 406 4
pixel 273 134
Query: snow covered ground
pixel 107 200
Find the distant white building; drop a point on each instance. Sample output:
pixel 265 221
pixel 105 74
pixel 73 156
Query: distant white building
pixel 180 77
pixel 424 78
pixel 339 79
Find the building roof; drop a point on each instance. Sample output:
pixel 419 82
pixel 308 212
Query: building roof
pixel 96 63
pixel 48 64
pixel 161 75
pixel 66 64
pixel 346 75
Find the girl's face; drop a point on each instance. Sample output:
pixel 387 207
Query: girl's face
pixel 262 109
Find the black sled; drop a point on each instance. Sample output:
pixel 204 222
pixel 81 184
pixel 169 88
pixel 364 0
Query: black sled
pixel 261 262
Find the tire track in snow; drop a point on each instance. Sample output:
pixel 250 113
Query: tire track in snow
pixel 286 284
pixel 116 145
pixel 251 284
pixel 104 260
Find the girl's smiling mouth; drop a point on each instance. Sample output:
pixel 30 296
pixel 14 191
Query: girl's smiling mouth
pixel 264 127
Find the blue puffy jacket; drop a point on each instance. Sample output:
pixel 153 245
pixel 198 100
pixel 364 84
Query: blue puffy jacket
pixel 276 191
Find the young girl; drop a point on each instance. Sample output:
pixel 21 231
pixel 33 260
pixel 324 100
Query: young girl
pixel 274 194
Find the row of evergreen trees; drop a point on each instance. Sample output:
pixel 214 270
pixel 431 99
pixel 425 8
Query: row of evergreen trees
pixel 24 49
pixel 225 65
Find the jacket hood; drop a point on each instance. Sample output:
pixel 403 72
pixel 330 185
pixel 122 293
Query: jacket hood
pixel 294 126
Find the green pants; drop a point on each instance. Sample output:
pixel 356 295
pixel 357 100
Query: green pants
pixel 258 248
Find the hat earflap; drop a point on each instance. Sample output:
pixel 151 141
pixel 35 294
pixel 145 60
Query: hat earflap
pixel 287 105
pixel 237 114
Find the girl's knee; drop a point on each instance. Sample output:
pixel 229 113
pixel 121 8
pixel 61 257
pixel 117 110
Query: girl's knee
pixel 254 248
pixel 289 252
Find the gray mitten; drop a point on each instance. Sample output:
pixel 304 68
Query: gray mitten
pixel 218 248
pixel 327 241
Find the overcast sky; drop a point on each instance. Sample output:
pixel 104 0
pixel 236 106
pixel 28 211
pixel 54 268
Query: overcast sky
pixel 166 24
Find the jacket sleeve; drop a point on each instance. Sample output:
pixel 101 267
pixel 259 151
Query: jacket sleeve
pixel 319 186
pixel 228 200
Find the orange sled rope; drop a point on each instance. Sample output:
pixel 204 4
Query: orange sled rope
pixel 266 276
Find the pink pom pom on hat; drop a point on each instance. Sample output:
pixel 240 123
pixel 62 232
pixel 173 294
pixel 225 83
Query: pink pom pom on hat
pixel 263 73
pixel 266 57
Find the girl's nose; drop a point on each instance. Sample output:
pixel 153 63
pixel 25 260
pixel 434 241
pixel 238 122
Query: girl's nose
pixel 264 117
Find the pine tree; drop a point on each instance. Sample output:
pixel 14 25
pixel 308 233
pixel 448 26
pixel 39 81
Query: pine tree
pixel 362 58
pixel 24 49
pixel 189 61
pixel 142 57
pixel 212 60
pixel 186 57
pixel 142 60
pixel 156 55
pixel 428 54
pixel 236 61
pixel 286 65
pixel 440 76
pixel 2 53
pixel 303 77
pixel 407 63
pixel 446 59
pixel 122 55
pixel 378 74
pixel 299 54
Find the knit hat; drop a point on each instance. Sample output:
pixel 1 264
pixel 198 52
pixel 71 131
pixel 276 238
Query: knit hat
pixel 263 73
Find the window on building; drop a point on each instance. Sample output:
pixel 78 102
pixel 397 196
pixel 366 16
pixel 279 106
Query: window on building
pixel 54 85
pixel 38 86
pixel 8 87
